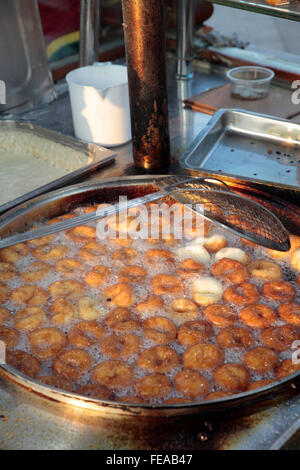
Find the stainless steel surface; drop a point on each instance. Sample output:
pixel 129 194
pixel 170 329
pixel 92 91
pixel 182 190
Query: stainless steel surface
pixel 185 37
pixel 23 58
pixel 100 157
pixel 89 32
pixel 249 146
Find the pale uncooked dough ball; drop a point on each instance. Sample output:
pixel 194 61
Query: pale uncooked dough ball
pixel 207 290
pixel 196 252
pixel 233 253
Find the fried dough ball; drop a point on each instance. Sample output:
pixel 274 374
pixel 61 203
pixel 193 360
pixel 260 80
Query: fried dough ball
pixel 260 359
pixel 56 381
pixel 235 337
pixel 215 243
pixel 151 304
pixel 30 295
pixel 47 343
pixel 202 357
pixel 183 310
pixel 232 377
pixel 163 284
pixel 132 274
pixel 230 270
pixel 218 395
pixel 72 364
pixel 29 318
pixel 68 289
pixel 295 244
pixel 295 260
pixel 7 271
pixel 158 257
pixel 290 312
pixel 68 267
pixel 287 367
pixel 191 383
pixel 259 384
pixel 258 316
pixel 50 252
pixel 159 329
pixel 91 251
pixel 24 363
pixel 158 359
pixel 125 255
pixel 81 233
pixel 9 336
pixel 220 315
pixel 265 270
pixel 113 374
pixel 95 391
pixel 153 386
pixel 281 291
pixel 121 347
pixel 234 254
pixel 46 240
pixel 206 291
pixel 131 399
pixel 4 315
pixel 193 332
pixel 243 294
pixel 86 333
pixel 97 276
pixel 119 295
pixel 60 218
pixel 189 268
pixel 4 292
pixel 62 312
pixel 89 309
pixel 177 401
pixel 36 271
pixel 14 253
pixel 280 337
pixel 121 320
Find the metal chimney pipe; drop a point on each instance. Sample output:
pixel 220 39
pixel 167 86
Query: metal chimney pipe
pixel 89 32
pixel 185 38
pixel 144 29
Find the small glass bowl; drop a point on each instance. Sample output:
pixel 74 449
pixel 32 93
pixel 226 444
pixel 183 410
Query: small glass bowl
pixel 250 83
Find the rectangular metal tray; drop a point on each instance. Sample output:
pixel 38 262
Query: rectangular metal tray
pixel 248 146
pixel 96 157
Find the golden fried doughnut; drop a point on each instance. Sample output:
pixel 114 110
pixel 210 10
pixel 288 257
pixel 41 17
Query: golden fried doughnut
pixel 50 252
pixel 206 290
pixel 217 395
pixel 158 257
pixel 232 377
pixel 290 312
pixel 7 271
pixel 9 336
pixel 189 268
pixel 230 270
pixel 265 270
pixel 24 363
pixel 97 276
pixel 260 359
pixel 281 291
pixel 183 310
pixel 68 266
pixel 14 253
pixel 46 240
pixel 113 374
pixel 132 274
pixel 177 401
pixel 81 233
pixel 4 315
pixel 164 284
pixel 121 347
pixel 68 289
pixel 280 337
pixel 287 367
pixel 46 343
pixel 29 318
pixel 125 255
pixel 72 364
pixel 153 386
pixel 220 315
pixel 56 381
pixel 159 329
pixel 295 260
pixel 4 292
pixel 191 383
pixel 151 304
pixel 158 359
pixel 86 333
pixel 95 391
pixel 30 295
pixel 62 312
pixel 60 218
pixel 121 320
pixel 295 243
pixel 119 295
pixel 202 357
pixel 91 251
pixel 235 337
pixel 259 384
pixel 35 271
pixel 120 242
pixel 89 309
pixel 131 399
pixel 258 316
pixel 243 294
pixel 193 332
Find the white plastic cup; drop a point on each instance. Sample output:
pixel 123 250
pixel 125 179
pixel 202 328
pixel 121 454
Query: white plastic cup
pixel 100 104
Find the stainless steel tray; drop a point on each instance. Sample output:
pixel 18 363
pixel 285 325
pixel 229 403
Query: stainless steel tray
pixel 250 146
pixel 98 156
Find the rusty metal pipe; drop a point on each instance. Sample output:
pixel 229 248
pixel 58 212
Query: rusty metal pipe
pixel 144 29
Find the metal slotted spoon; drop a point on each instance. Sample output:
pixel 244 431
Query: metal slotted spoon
pixel 211 198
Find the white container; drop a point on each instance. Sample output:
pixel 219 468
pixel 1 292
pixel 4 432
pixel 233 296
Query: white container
pixel 100 104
